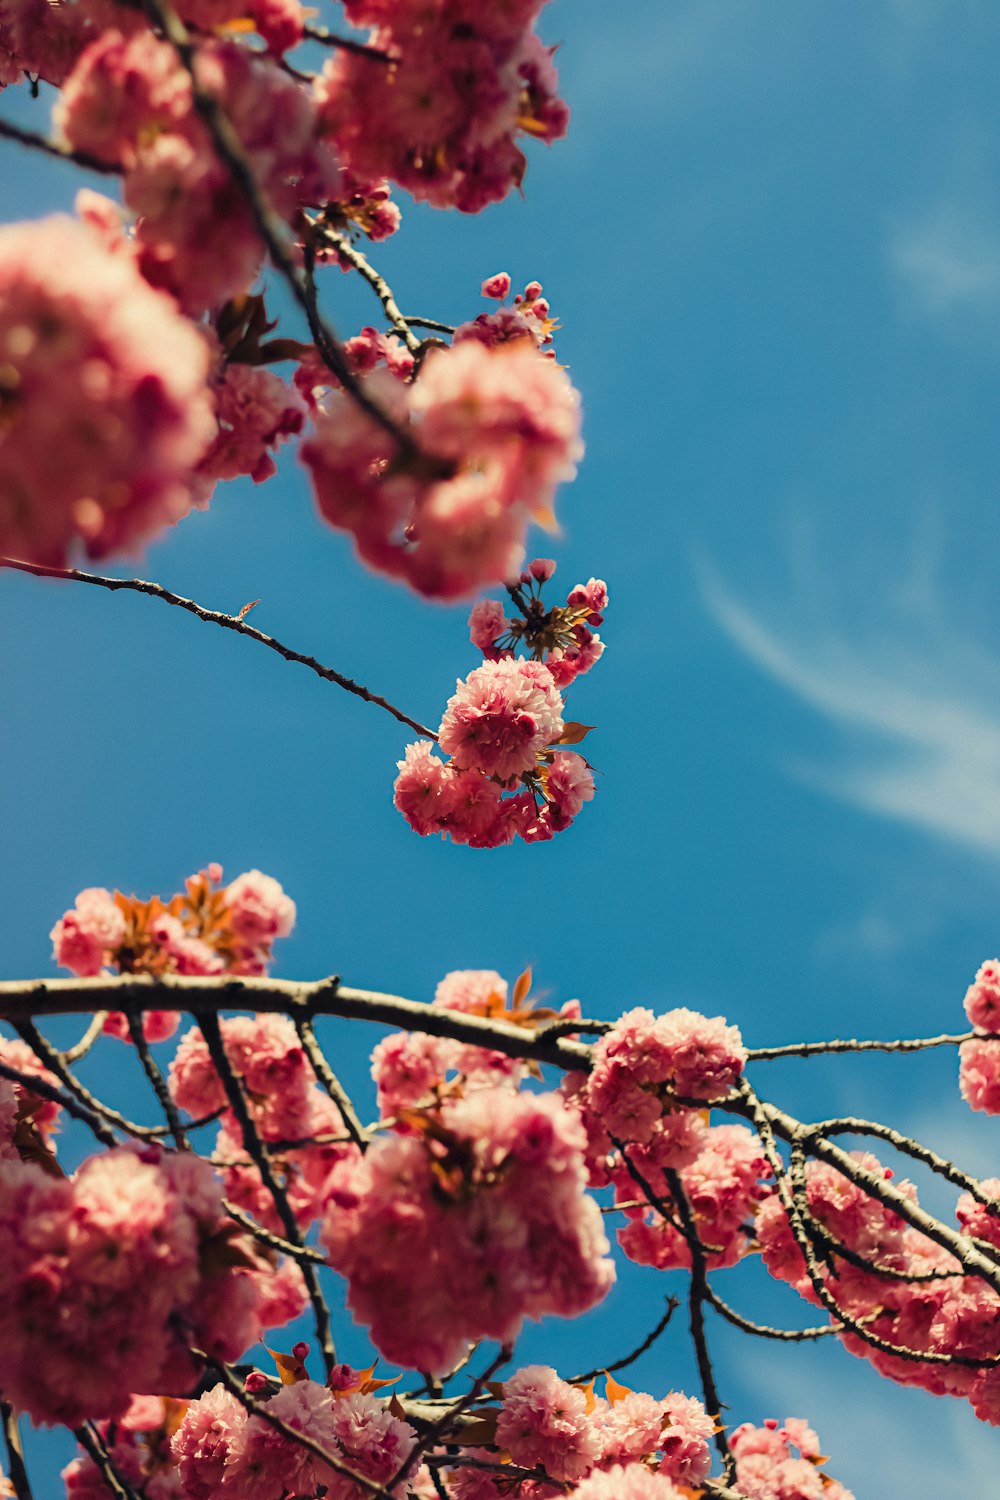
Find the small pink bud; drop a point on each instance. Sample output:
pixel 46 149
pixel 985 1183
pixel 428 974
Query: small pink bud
pixel 542 568
pixel 214 872
pixel 256 1383
pixel 301 1350
pixel 497 286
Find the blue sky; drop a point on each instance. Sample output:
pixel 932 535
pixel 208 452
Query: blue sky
pixel 773 240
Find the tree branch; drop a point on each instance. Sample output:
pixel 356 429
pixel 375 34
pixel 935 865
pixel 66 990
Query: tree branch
pixel 31 138
pixel 227 622
pixel 15 1453
pixel 22 999
pixel 257 1149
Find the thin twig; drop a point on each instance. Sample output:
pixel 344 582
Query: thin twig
pixel 269 1238
pixel 345 44
pixel 437 1430
pixel 227 622
pixel 94 1446
pixel 65 1101
pixel 697 1296
pixel 354 257
pixel 90 1036
pixel 850 1125
pixel 47 1054
pixel 256 1148
pixel 629 1359
pixel 822 1049
pixel 18 1474
pixel 36 142
pixel 331 1082
pixel 792 1206
pixel 764 1331
pixel 271 228
pixel 157 1081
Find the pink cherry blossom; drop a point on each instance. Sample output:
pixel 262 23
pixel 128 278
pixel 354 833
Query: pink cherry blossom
pixel 259 910
pixel 544 1421
pixel 979 1075
pixel 104 395
pixel 500 719
pixel 626 1482
pixel 461 1233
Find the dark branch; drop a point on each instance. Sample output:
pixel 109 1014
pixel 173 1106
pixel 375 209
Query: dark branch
pixel 629 1359
pixel 227 622
pixel 36 142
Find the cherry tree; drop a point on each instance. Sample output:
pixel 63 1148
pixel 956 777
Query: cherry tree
pixel 142 365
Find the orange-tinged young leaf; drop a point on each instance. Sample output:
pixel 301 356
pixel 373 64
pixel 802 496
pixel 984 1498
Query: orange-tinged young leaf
pixel 588 1391
pixel 546 518
pixel 290 1367
pixel 240 26
pixel 522 984
pixel 247 608
pixel 482 1432
pixel 574 732
pixel 689 1494
pixel 613 1391
pixel 173 1414
pixel 495 1388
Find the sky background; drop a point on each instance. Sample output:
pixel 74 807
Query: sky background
pixel 772 238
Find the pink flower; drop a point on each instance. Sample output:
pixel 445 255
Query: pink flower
pixel 975 1218
pixel 209 1433
pixel 723 1189
pixel 259 910
pixel 442 117
pixel 110 1272
pixel 255 410
pixel 418 790
pixel 486 622
pixel 626 1482
pixel 107 410
pixel 570 783
pixel 502 717
pixel 644 1060
pixel 84 938
pixel 460 1235
pixel 768 1468
pixel 544 1422
pixel 982 999
pixel 497 286
pixel 498 431
pixel 979 1075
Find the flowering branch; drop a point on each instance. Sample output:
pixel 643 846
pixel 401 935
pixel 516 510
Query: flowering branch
pixel 269 226
pixel 697 1296
pixel 258 1152
pixel 227 622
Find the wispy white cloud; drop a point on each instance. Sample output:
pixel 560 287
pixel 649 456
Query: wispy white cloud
pixel 948 259
pixel 919 708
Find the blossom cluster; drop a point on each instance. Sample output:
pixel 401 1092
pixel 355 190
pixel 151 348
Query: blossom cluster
pixel 206 929
pixel 107 1277
pixel 567 1431
pixel 441 112
pixel 458 1230
pixel 412 1069
pixel 222 1452
pixel 503 726
pixel 120 410
pixel 979 1058
pixel 782 1461
pixel 494 431
pixel 895 1282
